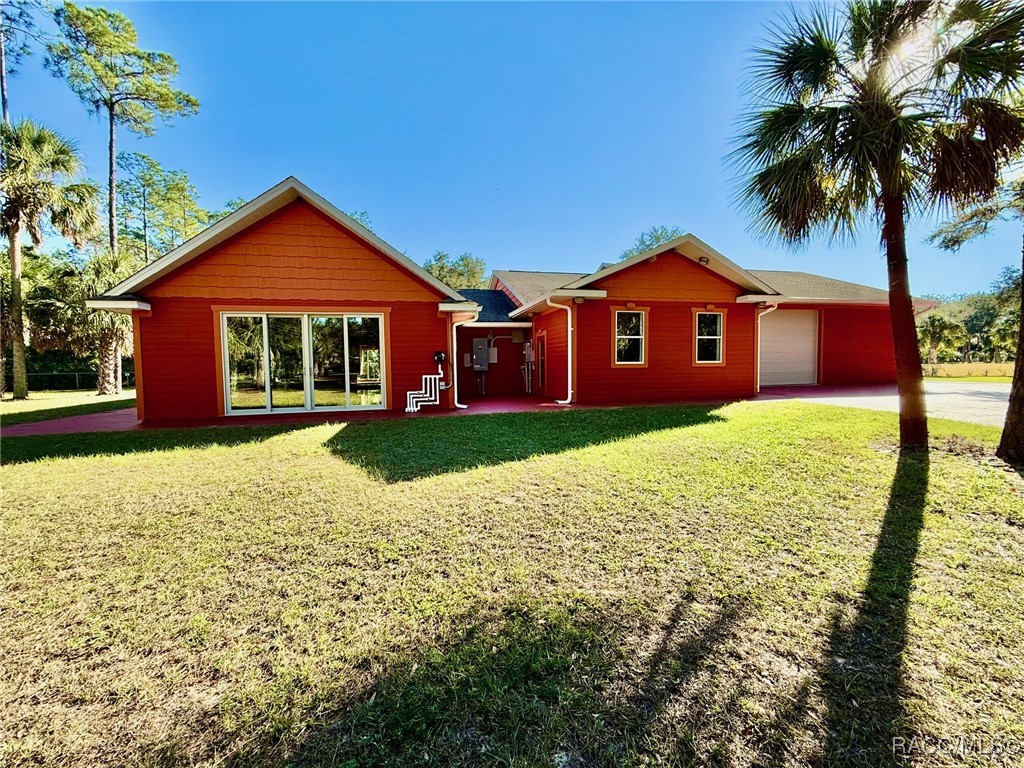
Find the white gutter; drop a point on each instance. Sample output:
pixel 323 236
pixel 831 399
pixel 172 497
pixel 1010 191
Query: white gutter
pixel 771 308
pixel 568 346
pixel 455 356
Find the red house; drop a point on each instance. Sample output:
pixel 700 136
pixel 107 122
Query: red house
pixel 289 306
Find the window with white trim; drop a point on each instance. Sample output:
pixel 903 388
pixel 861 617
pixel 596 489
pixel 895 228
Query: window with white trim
pixel 709 326
pixel 629 338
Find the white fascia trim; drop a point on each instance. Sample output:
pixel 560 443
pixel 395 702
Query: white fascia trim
pixel 270 201
pixel 499 324
pixel 118 305
pixel 458 306
pixel 674 245
pixel 560 293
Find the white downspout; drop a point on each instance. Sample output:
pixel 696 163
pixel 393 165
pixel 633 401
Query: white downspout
pixel 771 308
pixel 568 346
pixel 455 356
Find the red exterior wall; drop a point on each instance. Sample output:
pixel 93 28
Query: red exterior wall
pixel 669 289
pixel 504 377
pixel 551 326
pixel 293 260
pixel 856 345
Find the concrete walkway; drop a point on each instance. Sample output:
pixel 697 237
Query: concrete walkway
pixel 977 402
pixel 126 419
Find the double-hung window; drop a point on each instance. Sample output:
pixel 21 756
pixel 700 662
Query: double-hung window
pixel 630 337
pixel 709 335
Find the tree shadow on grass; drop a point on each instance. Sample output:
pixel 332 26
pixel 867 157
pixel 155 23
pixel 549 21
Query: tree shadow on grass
pixel 402 449
pixel 19 450
pixel 397 451
pixel 863 677
pixel 529 686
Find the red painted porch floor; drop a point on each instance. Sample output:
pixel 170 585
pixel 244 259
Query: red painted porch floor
pixel 125 419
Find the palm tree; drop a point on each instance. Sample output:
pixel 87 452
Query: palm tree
pixel 887 108
pixel 937 332
pixel 973 222
pixel 37 183
pixel 111 331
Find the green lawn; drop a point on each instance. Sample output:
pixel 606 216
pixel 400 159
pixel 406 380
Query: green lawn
pixel 55 404
pixel 987 379
pixel 764 583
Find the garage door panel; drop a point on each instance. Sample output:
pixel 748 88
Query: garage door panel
pixel 789 347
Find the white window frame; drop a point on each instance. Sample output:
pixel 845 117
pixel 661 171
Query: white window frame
pixel 307 363
pixel 642 336
pixel 720 338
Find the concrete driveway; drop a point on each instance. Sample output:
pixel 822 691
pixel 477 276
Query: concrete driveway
pixel 978 402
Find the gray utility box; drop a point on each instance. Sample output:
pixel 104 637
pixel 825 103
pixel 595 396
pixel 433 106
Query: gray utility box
pixel 481 355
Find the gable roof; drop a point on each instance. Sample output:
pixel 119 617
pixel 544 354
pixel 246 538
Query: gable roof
pixel 495 304
pixel 804 286
pixel 528 286
pixel 255 210
pixel 693 248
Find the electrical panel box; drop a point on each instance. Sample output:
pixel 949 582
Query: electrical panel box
pixel 481 357
pixel 527 352
pixel 492 355
pixel 518 335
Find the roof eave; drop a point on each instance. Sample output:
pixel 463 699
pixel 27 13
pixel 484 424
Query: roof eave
pixel 560 293
pixel 257 209
pixel 717 263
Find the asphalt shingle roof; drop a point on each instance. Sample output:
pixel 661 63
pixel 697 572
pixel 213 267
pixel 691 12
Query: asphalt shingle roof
pixel 496 304
pixel 803 285
pixel 528 286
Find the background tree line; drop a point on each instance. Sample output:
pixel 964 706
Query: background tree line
pixel 148 209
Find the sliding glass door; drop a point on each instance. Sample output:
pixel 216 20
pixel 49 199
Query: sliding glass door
pixel 279 362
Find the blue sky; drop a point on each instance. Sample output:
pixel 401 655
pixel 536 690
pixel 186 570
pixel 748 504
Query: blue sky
pixel 537 136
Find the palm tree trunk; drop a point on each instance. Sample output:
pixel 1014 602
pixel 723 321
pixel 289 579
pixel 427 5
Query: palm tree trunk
pixel 1011 444
pixel 17 314
pixel 106 381
pixel 112 181
pixel 909 379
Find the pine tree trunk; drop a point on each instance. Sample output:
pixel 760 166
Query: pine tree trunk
pixel 105 383
pixel 20 388
pixel 145 223
pixel 112 183
pixel 1011 445
pixel 3 80
pixel 909 377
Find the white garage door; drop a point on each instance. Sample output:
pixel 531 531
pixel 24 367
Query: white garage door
pixel 789 347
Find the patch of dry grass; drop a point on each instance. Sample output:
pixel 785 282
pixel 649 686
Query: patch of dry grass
pixel 712 586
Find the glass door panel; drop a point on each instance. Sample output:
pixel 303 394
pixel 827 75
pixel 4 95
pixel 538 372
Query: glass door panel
pixel 365 358
pixel 246 367
pixel 327 335
pixel 287 369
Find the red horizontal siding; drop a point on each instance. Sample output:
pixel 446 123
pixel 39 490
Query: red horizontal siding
pixel 553 325
pixel 670 374
pixel 670 277
pixel 295 253
pixel 856 345
pixel 294 259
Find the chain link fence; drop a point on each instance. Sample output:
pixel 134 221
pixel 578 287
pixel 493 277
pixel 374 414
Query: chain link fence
pixel 67 380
